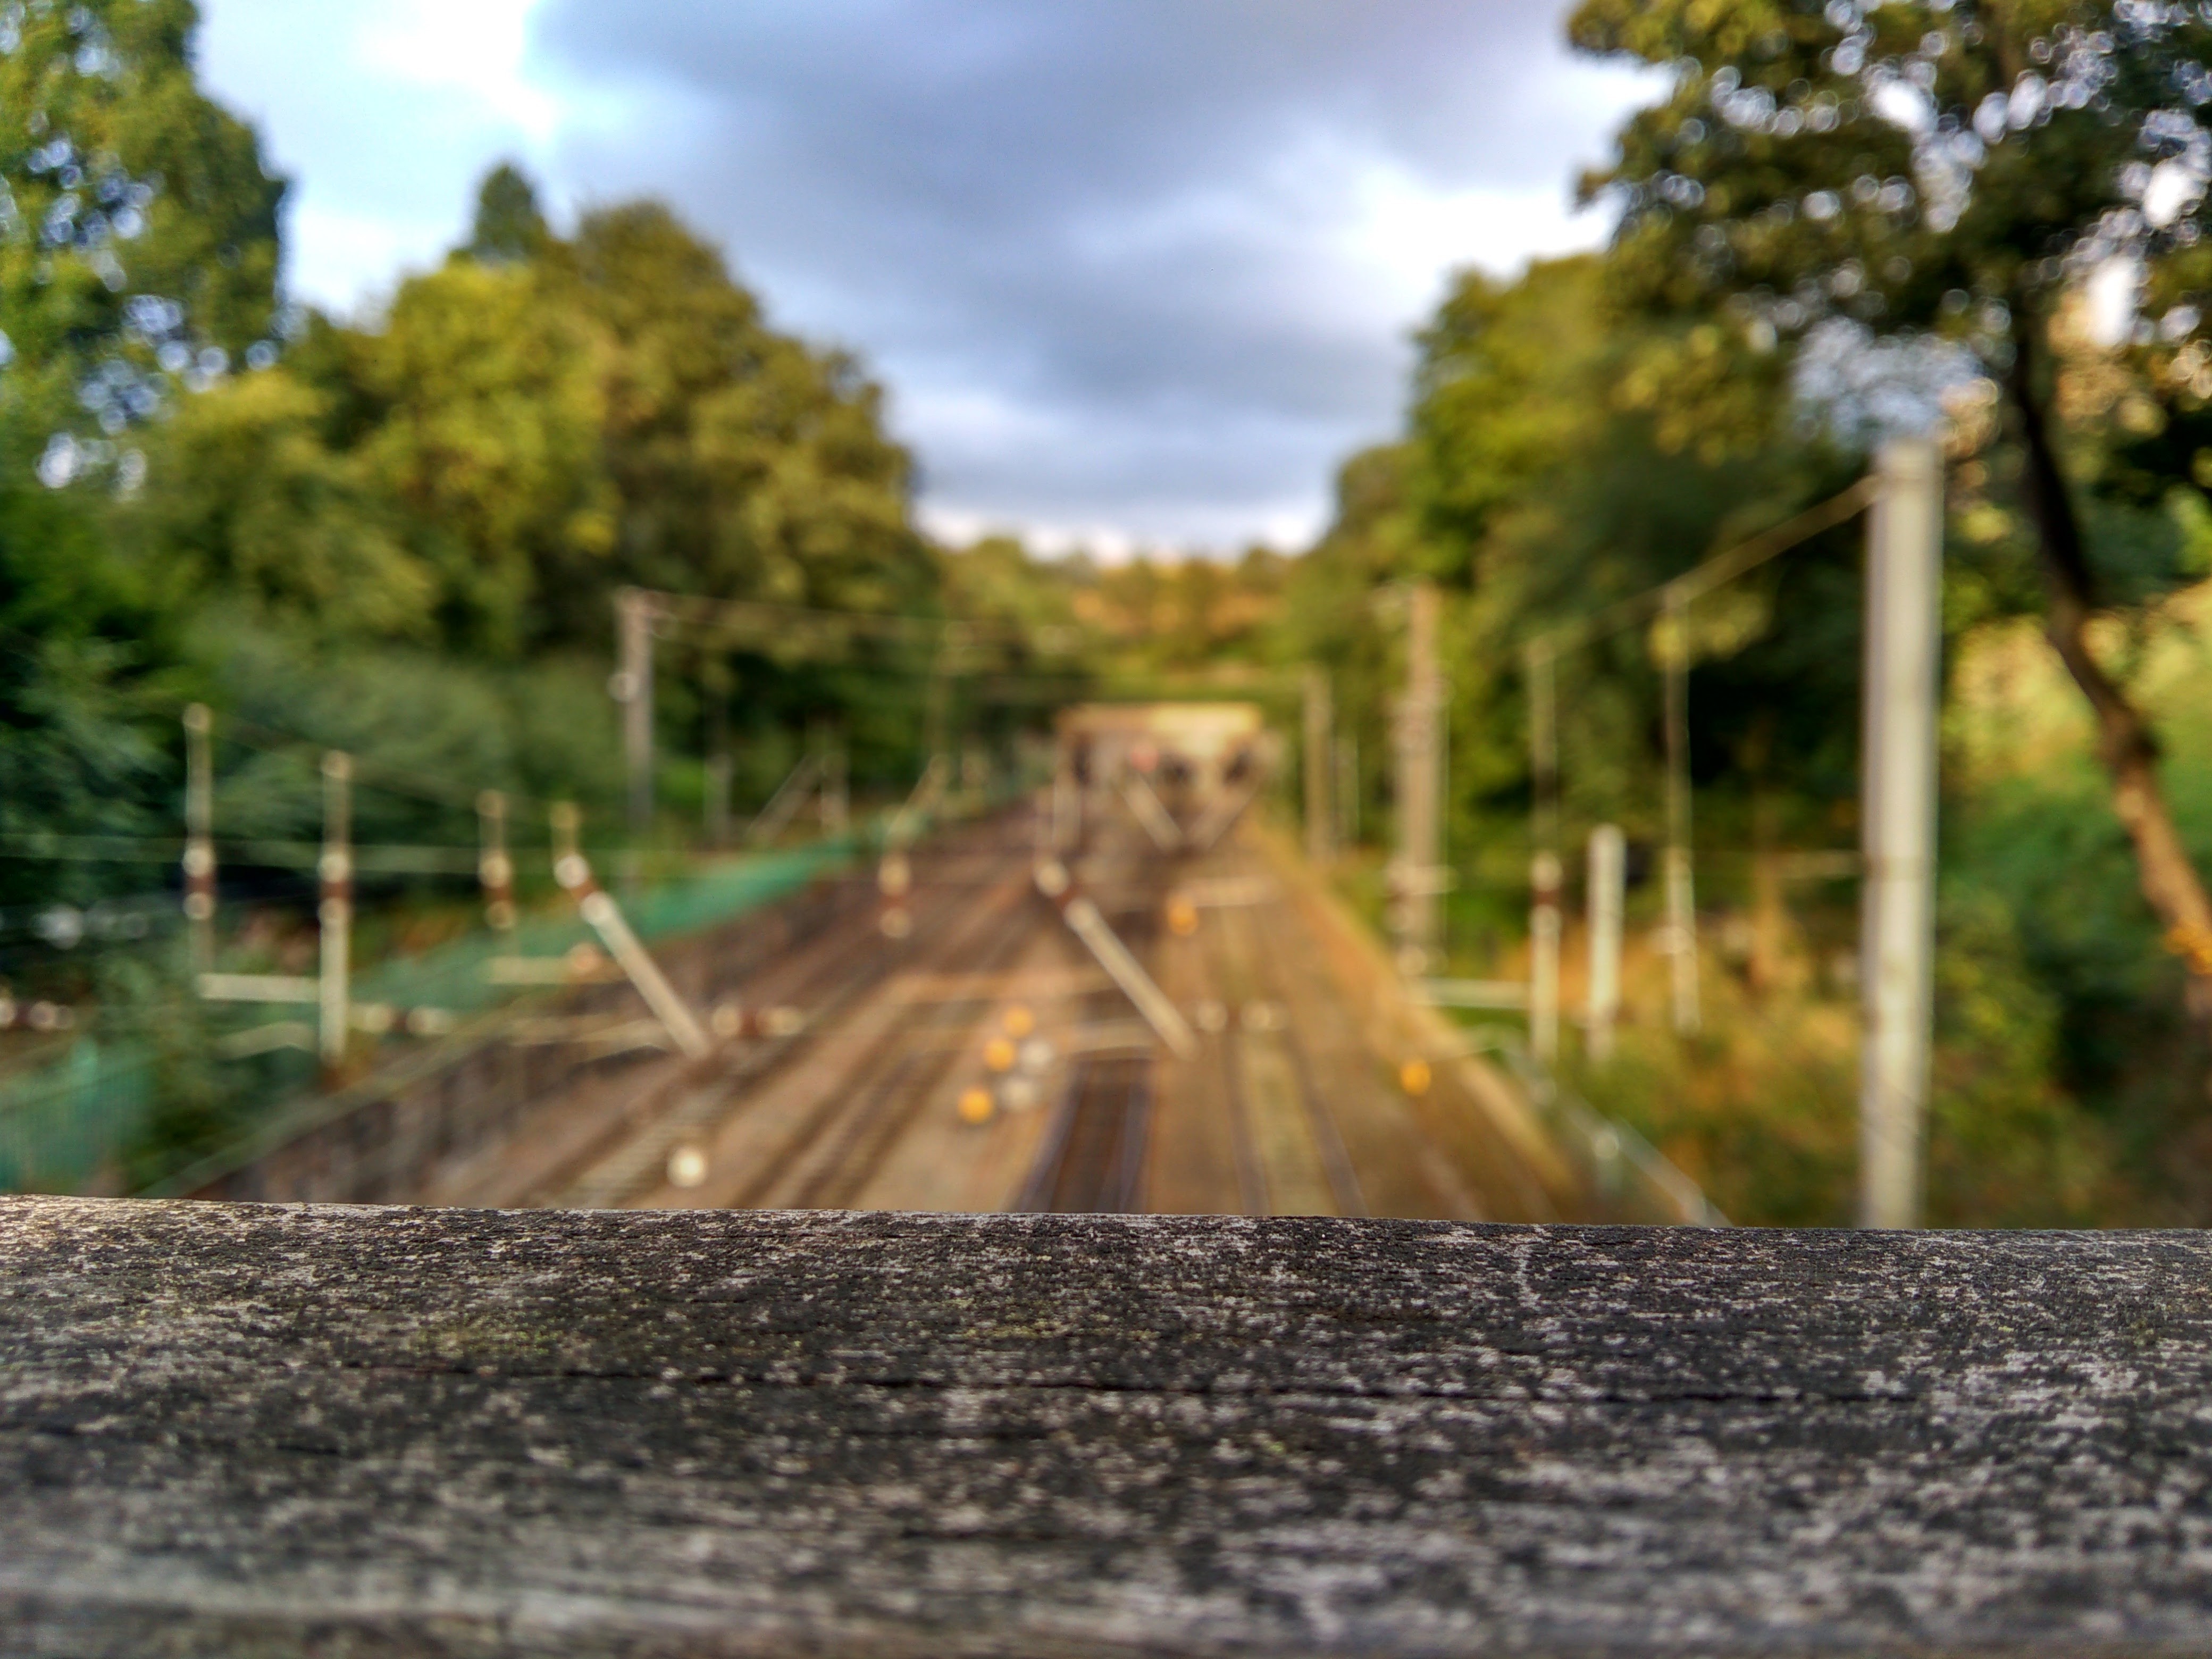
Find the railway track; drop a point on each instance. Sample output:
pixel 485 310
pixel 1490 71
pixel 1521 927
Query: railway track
pixel 594 1144
pixel 954 892
pixel 1288 1106
pixel 939 1039
pixel 1096 1150
pixel 837 1149
pixel 1094 1160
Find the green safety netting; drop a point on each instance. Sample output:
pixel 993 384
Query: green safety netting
pixel 64 1121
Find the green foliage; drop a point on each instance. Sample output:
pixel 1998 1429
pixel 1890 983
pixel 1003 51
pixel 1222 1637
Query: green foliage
pixel 490 407
pixel 427 731
pixel 137 236
pixel 996 579
pixel 1761 1109
pixel 509 227
pixel 1927 171
pixel 137 226
pixel 1546 478
pixel 745 464
pixel 75 759
pixel 1510 388
pixel 1185 616
pixel 147 1001
pixel 528 428
pixel 1909 165
pixel 1331 608
pixel 253 504
pixel 1569 445
pixel 400 539
pixel 2009 1145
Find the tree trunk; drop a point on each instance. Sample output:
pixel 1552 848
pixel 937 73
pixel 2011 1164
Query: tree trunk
pixel 2125 745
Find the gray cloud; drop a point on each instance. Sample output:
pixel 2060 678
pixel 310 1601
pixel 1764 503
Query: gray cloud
pixel 1121 261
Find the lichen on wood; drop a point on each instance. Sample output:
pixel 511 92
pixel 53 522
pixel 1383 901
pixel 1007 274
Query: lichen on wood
pixel 276 1430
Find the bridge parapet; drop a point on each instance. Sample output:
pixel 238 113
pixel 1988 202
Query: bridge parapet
pixel 279 1430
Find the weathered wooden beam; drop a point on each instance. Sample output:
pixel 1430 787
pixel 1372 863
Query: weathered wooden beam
pixel 273 1430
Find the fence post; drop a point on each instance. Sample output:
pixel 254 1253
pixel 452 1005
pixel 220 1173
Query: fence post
pixel 199 835
pixel 1904 641
pixel 1544 872
pixel 335 914
pixel 1608 879
pixel 634 685
pixel 1682 888
pixel 1347 790
pixel 495 868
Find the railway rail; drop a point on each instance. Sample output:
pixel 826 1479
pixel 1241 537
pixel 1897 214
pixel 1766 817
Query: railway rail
pixel 600 1143
pixel 974 1057
pixel 1095 1153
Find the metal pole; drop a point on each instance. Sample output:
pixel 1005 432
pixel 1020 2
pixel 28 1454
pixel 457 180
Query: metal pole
pixel 1904 643
pixel 1681 892
pixel 199 835
pixel 567 823
pixel 1084 920
pixel 1609 881
pixel 1320 718
pixel 1544 871
pixel 1150 811
pixel 633 684
pixel 1417 785
pixel 574 871
pixel 495 869
pixel 1347 790
pixel 335 912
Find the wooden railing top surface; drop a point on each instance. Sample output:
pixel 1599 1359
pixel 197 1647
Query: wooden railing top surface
pixel 265 1429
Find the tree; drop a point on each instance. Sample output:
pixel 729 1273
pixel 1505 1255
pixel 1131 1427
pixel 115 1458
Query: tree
pixel 510 228
pixel 137 229
pixel 489 398
pixel 251 503
pixel 1329 613
pixel 748 466
pixel 1944 173
pixel 137 266
pixel 1545 478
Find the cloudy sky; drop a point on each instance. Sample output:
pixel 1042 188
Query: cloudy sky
pixel 1136 271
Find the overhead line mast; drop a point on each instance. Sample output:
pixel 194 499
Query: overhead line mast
pixel 1900 691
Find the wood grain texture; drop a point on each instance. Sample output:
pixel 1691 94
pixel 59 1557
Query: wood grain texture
pixel 267 1431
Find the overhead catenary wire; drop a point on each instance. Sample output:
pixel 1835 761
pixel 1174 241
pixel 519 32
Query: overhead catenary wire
pixel 1668 602
pixel 767 619
pixel 1702 579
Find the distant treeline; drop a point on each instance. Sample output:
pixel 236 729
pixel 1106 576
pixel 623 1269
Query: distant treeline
pixel 403 534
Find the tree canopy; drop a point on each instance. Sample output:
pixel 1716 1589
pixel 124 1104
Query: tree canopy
pixel 137 264
pixel 1946 172
pixel 188 465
